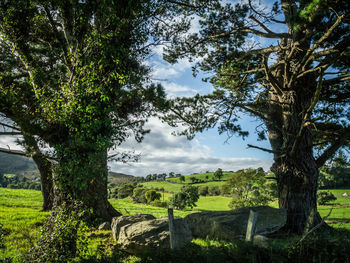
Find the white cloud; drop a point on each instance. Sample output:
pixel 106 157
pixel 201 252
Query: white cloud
pixel 162 152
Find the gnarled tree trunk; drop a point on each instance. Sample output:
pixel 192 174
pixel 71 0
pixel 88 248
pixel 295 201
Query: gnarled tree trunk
pixel 294 164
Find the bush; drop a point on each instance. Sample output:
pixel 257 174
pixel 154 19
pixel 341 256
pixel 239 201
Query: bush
pixel 324 197
pixel 214 190
pixel 187 197
pixel 225 189
pixel 139 195
pixel 152 195
pixel 203 190
pixel 125 190
pixel 159 203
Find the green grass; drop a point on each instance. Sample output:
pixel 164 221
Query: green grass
pixel 20 214
pixel 175 187
pixel 168 186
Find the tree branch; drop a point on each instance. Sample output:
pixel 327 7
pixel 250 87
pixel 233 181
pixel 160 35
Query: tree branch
pixel 260 148
pixel 331 150
pixel 10 133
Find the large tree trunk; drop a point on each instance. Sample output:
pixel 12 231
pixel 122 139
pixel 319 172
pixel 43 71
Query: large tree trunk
pixel 83 176
pixel 294 165
pixel 45 170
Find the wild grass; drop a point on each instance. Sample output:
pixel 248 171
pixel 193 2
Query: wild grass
pixel 20 215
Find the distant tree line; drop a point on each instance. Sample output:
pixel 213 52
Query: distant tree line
pixel 19 182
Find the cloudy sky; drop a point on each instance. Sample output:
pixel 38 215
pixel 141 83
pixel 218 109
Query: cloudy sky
pixel 161 151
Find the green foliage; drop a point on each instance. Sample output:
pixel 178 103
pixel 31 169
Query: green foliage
pixel 323 247
pixel 126 190
pixel 218 174
pixel 249 188
pixel 63 237
pixel 187 197
pixel 214 190
pixel 138 195
pixel 324 197
pixel 152 195
pixel 182 178
pixel 73 74
pixel 203 190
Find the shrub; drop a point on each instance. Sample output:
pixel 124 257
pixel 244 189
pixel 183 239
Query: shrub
pixel 139 195
pixel 324 197
pixel 187 197
pixel 203 190
pixel 125 190
pixel 152 195
pixel 225 189
pixel 214 190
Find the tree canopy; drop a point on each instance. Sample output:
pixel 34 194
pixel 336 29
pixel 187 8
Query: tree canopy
pixel 287 65
pixel 72 73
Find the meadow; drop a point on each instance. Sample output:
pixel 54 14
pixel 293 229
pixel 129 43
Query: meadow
pixel 20 215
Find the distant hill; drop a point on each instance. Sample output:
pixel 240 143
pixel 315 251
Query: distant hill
pixel 19 165
pixel 25 166
pixel 119 178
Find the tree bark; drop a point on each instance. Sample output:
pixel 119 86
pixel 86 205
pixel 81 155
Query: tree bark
pixel 296 172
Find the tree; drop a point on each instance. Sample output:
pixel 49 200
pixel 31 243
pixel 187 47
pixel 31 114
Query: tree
pixel 139 195
pixel 193 179
pixel 152 195
pixel 187 197
pixel 218 174
pixel 182 178
pixel 296 85
pixel 72 74
pixel 249 188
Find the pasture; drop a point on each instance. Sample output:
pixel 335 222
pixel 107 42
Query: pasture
pixel 20 214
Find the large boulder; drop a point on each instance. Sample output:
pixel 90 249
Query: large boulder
pixel 153 234
pixel 230 225
pixel 120 221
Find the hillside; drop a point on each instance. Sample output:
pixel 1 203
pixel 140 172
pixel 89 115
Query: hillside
pixel 19 165
pixel 25 166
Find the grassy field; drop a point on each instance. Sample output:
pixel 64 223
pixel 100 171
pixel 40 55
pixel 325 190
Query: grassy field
pixel 20 214
pixel 170 186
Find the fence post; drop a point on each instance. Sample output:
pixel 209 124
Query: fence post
pixel 251 225
pixel 171 227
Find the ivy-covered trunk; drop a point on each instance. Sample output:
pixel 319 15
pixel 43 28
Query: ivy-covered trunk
pixel 82 175
pixel 294 164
